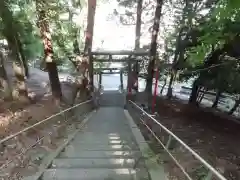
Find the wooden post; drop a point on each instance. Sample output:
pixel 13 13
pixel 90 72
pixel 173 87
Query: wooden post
pixel 91 70
pixel 121 80
pixel 129 83
pixel 135 76
pixel 110 58
pixel 155 90
pixel 100 80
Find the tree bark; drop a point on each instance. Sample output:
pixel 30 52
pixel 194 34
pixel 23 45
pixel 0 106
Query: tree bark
pixel 218 95
pixel 169 92
pixel 10 32
pixel 51 66
pixel 84 64
pixel 21 92
pixel 138 24
pixel 153 46
pixel 89 38
pixel 137 39
pixel 21 86
pixel 4 81
pixel 176 55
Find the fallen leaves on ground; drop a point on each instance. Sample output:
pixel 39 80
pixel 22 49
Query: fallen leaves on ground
pixel 210 134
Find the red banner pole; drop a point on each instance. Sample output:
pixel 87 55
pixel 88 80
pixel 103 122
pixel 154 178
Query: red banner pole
pixel 155 90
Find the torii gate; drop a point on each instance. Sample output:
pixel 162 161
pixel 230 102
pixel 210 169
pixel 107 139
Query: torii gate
pixel 100 72
pixel 131 60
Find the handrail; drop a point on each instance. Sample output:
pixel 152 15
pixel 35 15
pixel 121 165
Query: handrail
pixel 40 122
pixel 166 149
pixel 205 163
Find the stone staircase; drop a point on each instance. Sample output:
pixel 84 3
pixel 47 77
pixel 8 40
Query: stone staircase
pixel 112 99
pixel 104 150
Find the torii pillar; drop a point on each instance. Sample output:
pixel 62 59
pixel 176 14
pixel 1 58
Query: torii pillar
pixel 135 76
pixel 121 80
pixel 100 80
pixel 129 81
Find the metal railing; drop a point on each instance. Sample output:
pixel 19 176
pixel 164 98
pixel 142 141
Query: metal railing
pixel 63 116
pixel 171 136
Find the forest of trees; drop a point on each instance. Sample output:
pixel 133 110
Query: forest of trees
pixel 45 30
pixel 201 43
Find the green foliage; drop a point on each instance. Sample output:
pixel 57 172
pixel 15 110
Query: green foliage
pixel 209 41
pixel 31 41
pixel 64 30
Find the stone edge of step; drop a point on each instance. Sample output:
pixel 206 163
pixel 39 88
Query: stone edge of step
pixel 129 154
pixel 156 171
pixel 94 173
pixel 94 163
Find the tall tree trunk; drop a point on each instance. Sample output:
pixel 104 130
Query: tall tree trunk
pixel 51 65
pixel 138 24
pixel 21 91
pixel 10 32
pixel 175 60
pixel 84 64
pixel 178 53
pixel 169 92
pixel 4 82
pixel 89 38
pixel 137 40
pixel 218 95
pixel 234 108
pixel 21 86
pixel 153 47
pixel 77 64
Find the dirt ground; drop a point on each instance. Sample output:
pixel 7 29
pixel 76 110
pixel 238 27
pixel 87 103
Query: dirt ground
pixel 21 156
pixel 210 134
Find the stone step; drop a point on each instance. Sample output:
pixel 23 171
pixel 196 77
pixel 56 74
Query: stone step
pixel 104 139
pixel 100 154
pixel 106 142
pixel 95 163
pixel 95 174
pixel 87 135
pixel 75 147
